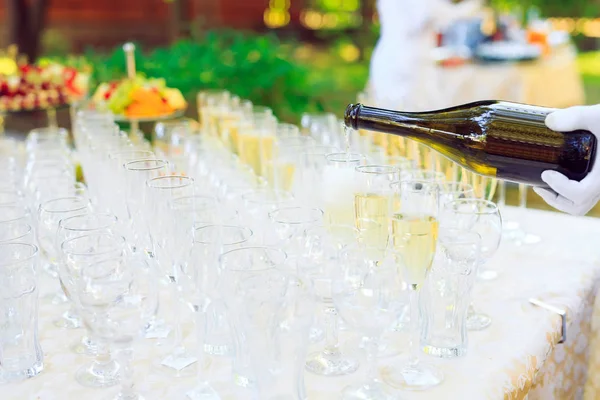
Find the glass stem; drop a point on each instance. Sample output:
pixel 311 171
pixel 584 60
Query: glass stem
pixel 372 351
pixel 125 356
pixel 502 194
pixel 331 330
pixel 470 310
pixel 200 335
pixel 522 195
pixel 177 334
pixel 414 326
pixel 102 351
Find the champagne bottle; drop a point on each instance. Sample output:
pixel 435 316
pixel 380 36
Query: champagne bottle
pixel 509 141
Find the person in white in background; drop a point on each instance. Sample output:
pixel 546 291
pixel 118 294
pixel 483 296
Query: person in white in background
pixel 402 72
pixel 573 197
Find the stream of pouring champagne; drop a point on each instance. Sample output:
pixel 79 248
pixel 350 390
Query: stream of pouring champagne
pixel 508 141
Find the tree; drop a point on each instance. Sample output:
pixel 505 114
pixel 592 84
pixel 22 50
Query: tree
pixel 26 20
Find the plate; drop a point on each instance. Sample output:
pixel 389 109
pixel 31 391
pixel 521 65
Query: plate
pixel 33 110
pixel 163 117
pixel 507 51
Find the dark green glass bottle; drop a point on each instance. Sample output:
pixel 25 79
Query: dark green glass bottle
pixel 509 141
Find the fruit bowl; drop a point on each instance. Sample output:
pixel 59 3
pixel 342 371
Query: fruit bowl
pixel 30 87
pixel 140 99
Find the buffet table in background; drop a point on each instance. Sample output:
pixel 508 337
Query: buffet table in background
pixel 518 357
pixel 553 81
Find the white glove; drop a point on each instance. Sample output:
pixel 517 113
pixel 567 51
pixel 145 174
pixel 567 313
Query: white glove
pixel 572 197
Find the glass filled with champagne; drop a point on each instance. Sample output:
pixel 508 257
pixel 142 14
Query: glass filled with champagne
pixel 255 144
pixel 280 170
pixel 339 183
pixel 210 103
pixel 372 204
pixel 234 118
pixel 308 176
pixel 414 236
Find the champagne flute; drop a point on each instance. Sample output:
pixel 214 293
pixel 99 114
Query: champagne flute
pixel 482 217
pixel 525 238
pixel 484 186
pixel 323 251
pixel 369 298
pixel 339 187
pixel 372 206
pixel 166 233
pixel 414 237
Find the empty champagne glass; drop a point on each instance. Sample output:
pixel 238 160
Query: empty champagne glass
pixel 255 288
pixel 322 254
pixel 79 253
pixel 449 287
pixel 79 225
pixel 21 356
pixel 289 224
pixel 166 235
pixel 17 231
pixel 414 235
pixel 482 217
pixel 49 216
pixel 201 288
pixel 118 296
pixel 369 298
pixel 137 172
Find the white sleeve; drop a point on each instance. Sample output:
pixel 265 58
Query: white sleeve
pixel 402 16
pixel 444 12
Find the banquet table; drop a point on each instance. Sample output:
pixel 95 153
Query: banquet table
pixel 553 81
pixel 517 357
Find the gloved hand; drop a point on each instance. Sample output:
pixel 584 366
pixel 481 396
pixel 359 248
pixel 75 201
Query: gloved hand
pixel 572 197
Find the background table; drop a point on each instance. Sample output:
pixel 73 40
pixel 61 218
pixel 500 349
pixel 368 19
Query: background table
pixel 553 81
pixel 517 356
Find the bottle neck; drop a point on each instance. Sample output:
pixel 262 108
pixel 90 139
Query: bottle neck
pixel 359 116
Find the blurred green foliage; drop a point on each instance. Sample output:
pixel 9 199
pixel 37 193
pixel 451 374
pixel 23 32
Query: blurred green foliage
pixel 553 8
pixel 257 67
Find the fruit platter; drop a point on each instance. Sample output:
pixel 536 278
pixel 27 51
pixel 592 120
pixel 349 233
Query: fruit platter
pixel 33 87
pixel 140 99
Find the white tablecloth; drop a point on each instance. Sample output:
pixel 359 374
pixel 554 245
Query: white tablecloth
pixel 517 356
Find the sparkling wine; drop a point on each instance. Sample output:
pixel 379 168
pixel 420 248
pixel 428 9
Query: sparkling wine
pixel 508 141
pixel 415 238
pixel 372 218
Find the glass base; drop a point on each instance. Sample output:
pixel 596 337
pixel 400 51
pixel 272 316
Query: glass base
pixel 51 270
pixel 203 392
pixel 413 377
pixel 331 364
pixel 180 363
pixel 56 298
pixel 14 376
pixel 98 375
pixel 403 323
pixel 316 335
pixel 68 320
pixel 487 274
pixel 387 347
pixel 157 329
pixel 219 350
pixel 85 346
pixel 531 239
pixel 478 321
pixel 368 391
pixel 128 396
pixel 444 347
